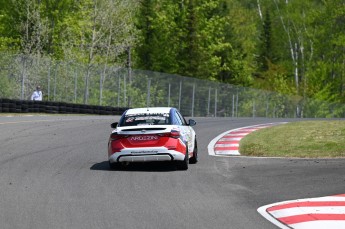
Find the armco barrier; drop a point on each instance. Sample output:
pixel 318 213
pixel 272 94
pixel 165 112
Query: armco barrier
pixel 25 106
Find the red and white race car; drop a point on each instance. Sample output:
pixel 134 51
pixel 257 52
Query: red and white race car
pixel 153 134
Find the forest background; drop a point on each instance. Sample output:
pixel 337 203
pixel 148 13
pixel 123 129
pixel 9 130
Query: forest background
pixel 294 47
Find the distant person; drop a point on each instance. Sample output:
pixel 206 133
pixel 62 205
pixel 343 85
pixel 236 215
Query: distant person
pixel 37 94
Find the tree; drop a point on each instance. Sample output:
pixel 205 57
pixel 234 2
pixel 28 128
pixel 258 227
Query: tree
pixel 23 21
pixel 328 78
pixel 266 52
pixel 100 32
pixel 191 51
pixel 145 22
pixel 56 13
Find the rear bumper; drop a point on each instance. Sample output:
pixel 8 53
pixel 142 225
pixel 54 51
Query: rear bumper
pixel 146 155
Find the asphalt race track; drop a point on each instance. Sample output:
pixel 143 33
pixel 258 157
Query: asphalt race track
pixel 54 174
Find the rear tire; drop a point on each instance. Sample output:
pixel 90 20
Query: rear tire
pixel 183 165
pixel 194 158
pixel 114 165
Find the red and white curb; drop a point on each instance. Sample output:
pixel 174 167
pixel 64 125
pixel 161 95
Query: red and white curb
pixel 227 143
pixel 312 213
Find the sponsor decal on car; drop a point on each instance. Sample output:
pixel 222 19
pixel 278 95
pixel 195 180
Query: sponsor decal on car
pixel 148 114
pixel 144 138
pixel 144 152
pixel 146 119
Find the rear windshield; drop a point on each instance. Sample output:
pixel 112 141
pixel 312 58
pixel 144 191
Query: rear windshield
pixel 146 119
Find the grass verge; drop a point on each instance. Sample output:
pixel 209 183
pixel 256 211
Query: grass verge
pixel 305 139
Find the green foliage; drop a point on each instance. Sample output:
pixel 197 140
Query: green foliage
pixel 266 52
pixel 291 47
pixel 9 44
pixel 160 36
pixel 6 89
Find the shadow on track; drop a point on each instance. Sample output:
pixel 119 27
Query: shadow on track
pixel 134 167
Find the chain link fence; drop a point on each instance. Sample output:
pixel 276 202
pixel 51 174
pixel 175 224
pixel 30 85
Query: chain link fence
pixel 106 85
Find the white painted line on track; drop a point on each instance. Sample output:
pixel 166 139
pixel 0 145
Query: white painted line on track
pixel 226 145
pixel 227 152
pixel 3 123
pixel 38 120
pixel 310 213
pixel 238 135
pixel 229 139
pixel 249 130
pixel 321 225
pixel 308 210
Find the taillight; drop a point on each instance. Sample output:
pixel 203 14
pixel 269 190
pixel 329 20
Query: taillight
pixel 116 136
pixel 172 134
pixel 175 134
pixel 164 134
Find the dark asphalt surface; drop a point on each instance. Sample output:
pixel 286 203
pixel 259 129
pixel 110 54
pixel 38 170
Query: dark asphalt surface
pixel 54 174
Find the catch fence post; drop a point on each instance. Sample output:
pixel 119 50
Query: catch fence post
pixel 48 80
pixel 193 100
pixel 75 85
pixel 179 96
pixel 215 103
pixel 148 92
pixel 169 91
pixel 209 101
pixel 233 105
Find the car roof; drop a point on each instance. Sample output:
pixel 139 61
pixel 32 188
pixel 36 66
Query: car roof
pixel 149 110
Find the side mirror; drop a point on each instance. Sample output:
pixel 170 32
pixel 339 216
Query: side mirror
pixel 191 122
pixel 114 125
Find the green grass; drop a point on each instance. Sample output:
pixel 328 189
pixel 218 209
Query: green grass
pixel 306 139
